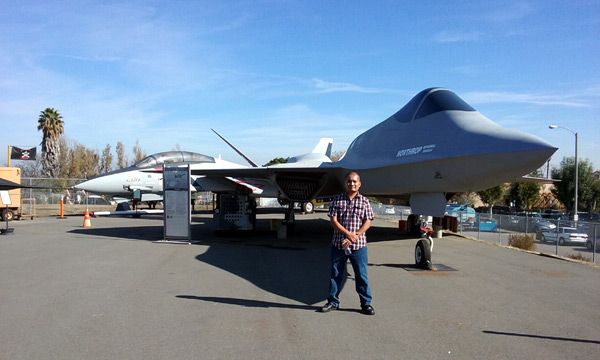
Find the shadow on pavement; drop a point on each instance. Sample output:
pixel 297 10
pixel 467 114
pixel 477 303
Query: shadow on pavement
pixel 287 270
pixel 296 268
pixel 147 233
pixel 559 338
pixel 248 303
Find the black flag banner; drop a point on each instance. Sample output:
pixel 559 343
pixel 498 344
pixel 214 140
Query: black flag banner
pixel 17 153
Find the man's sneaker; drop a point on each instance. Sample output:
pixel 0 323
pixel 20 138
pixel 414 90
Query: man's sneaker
pixel 329 307
pixel 367 310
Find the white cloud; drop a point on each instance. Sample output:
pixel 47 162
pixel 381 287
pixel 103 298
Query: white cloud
pixel 329 87
pixel 486 97
pixel 448 36
pixel 510 12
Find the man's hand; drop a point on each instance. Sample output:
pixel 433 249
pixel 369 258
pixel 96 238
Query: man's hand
pixel 353 237
pixel 346 243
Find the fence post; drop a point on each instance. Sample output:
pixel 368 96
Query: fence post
pixel 594 245
pixel 478 222
pixel 557 232
pixel 499 231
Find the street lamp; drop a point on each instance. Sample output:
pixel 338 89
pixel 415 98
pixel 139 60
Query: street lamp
pixel 575 216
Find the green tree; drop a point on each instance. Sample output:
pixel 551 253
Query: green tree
pixel 564 190
pixel 492 195
pixel 50 122
pixel 464 198
pixel 278 160
pixel 106 160
pixel 84 162
pixel 121 157
pixel 595 203
pixel 525 194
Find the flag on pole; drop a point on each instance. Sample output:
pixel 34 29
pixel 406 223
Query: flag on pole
pixel 17 153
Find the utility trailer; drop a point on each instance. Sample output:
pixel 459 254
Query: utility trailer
pixel 13 210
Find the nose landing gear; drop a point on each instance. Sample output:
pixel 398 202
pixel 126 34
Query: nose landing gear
pixel 424 248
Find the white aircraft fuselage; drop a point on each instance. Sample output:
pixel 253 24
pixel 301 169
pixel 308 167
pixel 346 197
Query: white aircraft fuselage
pixel 124 181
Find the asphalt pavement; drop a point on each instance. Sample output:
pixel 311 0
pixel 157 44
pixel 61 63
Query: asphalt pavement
pixel 110 292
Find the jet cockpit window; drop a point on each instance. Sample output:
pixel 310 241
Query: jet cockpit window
pixel 148 161
pixel 173 157
pixel 441 100
pixel 195 157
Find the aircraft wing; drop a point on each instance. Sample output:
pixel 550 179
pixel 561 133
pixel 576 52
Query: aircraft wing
pixel 292 183
pixel 9 185
pixel 538 180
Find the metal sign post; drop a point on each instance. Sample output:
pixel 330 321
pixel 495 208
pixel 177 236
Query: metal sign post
pixel 176 200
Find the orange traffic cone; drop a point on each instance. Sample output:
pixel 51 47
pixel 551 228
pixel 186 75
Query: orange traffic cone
pixel 87 220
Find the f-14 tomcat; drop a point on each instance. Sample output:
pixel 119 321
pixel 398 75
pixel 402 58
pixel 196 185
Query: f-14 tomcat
pixel 145 176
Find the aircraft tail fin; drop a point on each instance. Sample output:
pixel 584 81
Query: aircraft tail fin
pixel 323 147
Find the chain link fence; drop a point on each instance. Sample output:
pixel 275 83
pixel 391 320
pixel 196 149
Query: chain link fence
pixel 550 236
pixel 45 199
pixel 577 240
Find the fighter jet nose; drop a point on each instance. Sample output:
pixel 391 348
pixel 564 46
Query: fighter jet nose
pixel 530 143
pixel 92 185
pixel 84 186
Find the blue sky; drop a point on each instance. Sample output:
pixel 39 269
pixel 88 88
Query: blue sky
pixel 275 76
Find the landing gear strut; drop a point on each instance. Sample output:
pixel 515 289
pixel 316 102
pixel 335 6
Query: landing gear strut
pixel 290 216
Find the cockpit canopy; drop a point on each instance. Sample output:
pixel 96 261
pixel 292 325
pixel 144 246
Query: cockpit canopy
pixel 430 101
pixel 173 157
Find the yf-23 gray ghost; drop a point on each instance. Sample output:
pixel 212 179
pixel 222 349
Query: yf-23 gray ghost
pixel 436 145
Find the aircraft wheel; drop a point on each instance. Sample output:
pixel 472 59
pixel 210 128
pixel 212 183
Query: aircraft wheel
pixel 7 215
pixel 308 207
pixel 423 254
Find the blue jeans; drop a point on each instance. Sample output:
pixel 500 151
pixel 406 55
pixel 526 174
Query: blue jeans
pixel 359 261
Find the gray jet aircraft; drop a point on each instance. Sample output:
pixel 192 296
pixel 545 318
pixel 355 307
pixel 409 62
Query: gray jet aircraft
pixel 437 144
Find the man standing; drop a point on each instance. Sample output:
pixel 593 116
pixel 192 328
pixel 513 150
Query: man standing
pixel 351 216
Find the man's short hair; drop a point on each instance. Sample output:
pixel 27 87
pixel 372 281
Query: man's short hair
pixel 352 172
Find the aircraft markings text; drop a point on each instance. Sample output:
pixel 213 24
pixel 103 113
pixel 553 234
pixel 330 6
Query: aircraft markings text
pixel 415 150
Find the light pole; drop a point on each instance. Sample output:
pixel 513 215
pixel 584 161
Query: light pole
pixel 575 216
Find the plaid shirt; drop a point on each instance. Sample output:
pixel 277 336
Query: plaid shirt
pixel 351 214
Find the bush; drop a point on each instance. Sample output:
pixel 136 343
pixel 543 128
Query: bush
pixel 521 241
pixel 580 257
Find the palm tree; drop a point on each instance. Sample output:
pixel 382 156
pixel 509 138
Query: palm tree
pixel 51 124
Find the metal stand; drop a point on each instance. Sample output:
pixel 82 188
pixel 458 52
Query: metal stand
pixel 7 230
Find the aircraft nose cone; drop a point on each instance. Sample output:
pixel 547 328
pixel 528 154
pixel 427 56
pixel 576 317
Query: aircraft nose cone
pixel 480 135
pixel 519 142
pixel 92 185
